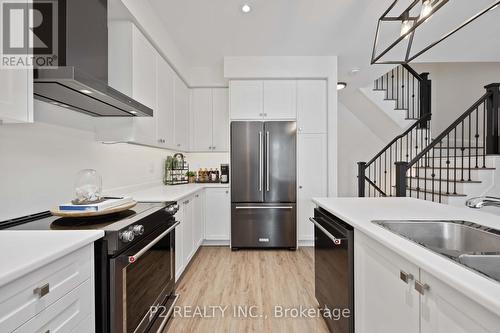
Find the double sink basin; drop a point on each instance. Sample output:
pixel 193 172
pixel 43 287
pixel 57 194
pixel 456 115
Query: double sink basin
pixel 469 244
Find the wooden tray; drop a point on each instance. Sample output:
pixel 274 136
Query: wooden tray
pixel 57 212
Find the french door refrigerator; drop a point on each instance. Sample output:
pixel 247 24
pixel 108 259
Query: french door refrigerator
pixel 263 184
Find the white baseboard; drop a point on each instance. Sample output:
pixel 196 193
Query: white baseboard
pixel 306 243
pixel 208 242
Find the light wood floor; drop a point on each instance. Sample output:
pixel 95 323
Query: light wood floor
pixel 264 279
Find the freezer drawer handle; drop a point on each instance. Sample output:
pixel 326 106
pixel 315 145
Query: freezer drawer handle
pixel 264 207
pixel 264 240
pixel 336 241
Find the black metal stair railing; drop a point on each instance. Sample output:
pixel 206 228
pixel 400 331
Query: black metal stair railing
pixel 407 88
pixel 411 92
pixel 455 153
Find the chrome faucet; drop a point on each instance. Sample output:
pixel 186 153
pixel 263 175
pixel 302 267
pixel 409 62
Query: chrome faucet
pixel 481 202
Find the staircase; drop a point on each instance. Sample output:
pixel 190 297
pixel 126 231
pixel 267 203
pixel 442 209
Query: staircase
pixel 457 164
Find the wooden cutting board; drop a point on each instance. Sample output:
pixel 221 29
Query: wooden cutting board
pixel 65 213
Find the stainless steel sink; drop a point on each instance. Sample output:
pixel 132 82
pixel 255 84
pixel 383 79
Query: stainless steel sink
pixel 470 244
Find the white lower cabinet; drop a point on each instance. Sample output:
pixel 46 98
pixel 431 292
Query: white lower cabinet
pixel 187 232
pixel 217 214
pixel 59 297
pixel 386 300
pixel 198 219
pixel 179 230
pixel 311 180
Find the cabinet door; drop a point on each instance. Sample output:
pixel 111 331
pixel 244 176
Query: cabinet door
pixel 179 257
pixel 181 114
pixel 198 219
pixel 280 99
pixel 383 302
pixel 144 86
pixel 165 104
pixel 187 232
pixel 312 106
pixel 16 95
pixel 444 310
pixel 246 99
pixel 220 135
pixel 312 179
pixel 201 111
pixel 217 214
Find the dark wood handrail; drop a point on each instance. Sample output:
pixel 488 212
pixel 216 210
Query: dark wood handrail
pixel 447 131
pixel 412 72
pixel 405 133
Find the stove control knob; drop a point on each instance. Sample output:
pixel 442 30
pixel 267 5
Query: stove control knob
pixel 138 229
pixel 172 209
pixel 127 236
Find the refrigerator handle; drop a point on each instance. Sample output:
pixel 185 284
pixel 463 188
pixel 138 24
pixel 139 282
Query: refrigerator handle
pixel 267 161
pixel 260 161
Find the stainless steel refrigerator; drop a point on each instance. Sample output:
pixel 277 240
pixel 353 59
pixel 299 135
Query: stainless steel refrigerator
pixel 263 184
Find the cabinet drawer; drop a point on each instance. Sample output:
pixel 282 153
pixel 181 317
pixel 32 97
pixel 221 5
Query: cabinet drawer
pixel 65 315
pixel 18 300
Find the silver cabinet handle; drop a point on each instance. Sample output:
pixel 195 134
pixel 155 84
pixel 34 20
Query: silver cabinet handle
pixel 267 161
pixel 335 240
pixel 133 258
pixel 42 291
pixel 260 162
pixel 421 288
pixel 405 277
pixel 263 207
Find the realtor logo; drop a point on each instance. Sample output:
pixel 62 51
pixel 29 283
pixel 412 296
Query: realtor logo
pixel 29 33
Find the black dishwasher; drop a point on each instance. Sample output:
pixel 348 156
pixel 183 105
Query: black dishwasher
pixel 334 270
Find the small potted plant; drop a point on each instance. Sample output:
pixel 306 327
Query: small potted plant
pixel 191 176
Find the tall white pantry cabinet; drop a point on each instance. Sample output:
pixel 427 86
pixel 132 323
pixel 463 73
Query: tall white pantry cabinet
pixel 306 102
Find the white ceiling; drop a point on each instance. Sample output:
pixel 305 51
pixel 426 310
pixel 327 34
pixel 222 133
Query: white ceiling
pixel 207 30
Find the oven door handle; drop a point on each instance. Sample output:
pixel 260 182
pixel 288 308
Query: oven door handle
pixel 335 240
pixel 133 258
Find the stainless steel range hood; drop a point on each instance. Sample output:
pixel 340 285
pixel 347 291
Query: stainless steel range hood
pixel 80 82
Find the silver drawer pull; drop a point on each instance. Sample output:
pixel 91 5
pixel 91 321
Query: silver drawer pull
pixel 405 277
pixel 264 207
pixel 42 291
pixel 421 287
pixel 264 240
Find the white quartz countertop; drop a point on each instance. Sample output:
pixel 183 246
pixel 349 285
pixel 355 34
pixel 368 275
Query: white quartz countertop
pixel 25 251
pixel 359 212
pixel 161 193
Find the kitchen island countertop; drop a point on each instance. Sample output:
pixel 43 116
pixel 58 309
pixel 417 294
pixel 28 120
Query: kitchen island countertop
pixel 359 212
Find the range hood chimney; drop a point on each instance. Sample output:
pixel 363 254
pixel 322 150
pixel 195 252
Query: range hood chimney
pixel 80 81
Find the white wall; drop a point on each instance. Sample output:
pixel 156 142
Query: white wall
pixel 455 87
pixel 39 161
pixel 357 142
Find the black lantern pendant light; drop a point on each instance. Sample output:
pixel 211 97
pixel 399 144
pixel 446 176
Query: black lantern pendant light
pixel 415 15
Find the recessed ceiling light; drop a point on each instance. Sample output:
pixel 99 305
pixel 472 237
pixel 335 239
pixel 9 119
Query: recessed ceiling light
pixel 355 70
pixel 341 85
pixel 85 91
pixel 133 112
pixel 246 8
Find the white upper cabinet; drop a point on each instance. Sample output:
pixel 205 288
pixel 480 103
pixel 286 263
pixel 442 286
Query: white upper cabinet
pixel 312 106
pixel 280 99
pixel 181 114
pixel 165 124
pixel 246 99
pixel 220 135
pixel 16 95
pixel 202 116
pixel 144 58
pixel 209 120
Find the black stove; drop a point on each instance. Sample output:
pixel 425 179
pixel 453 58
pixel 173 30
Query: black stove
pixel 134 263
pixel 121 229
